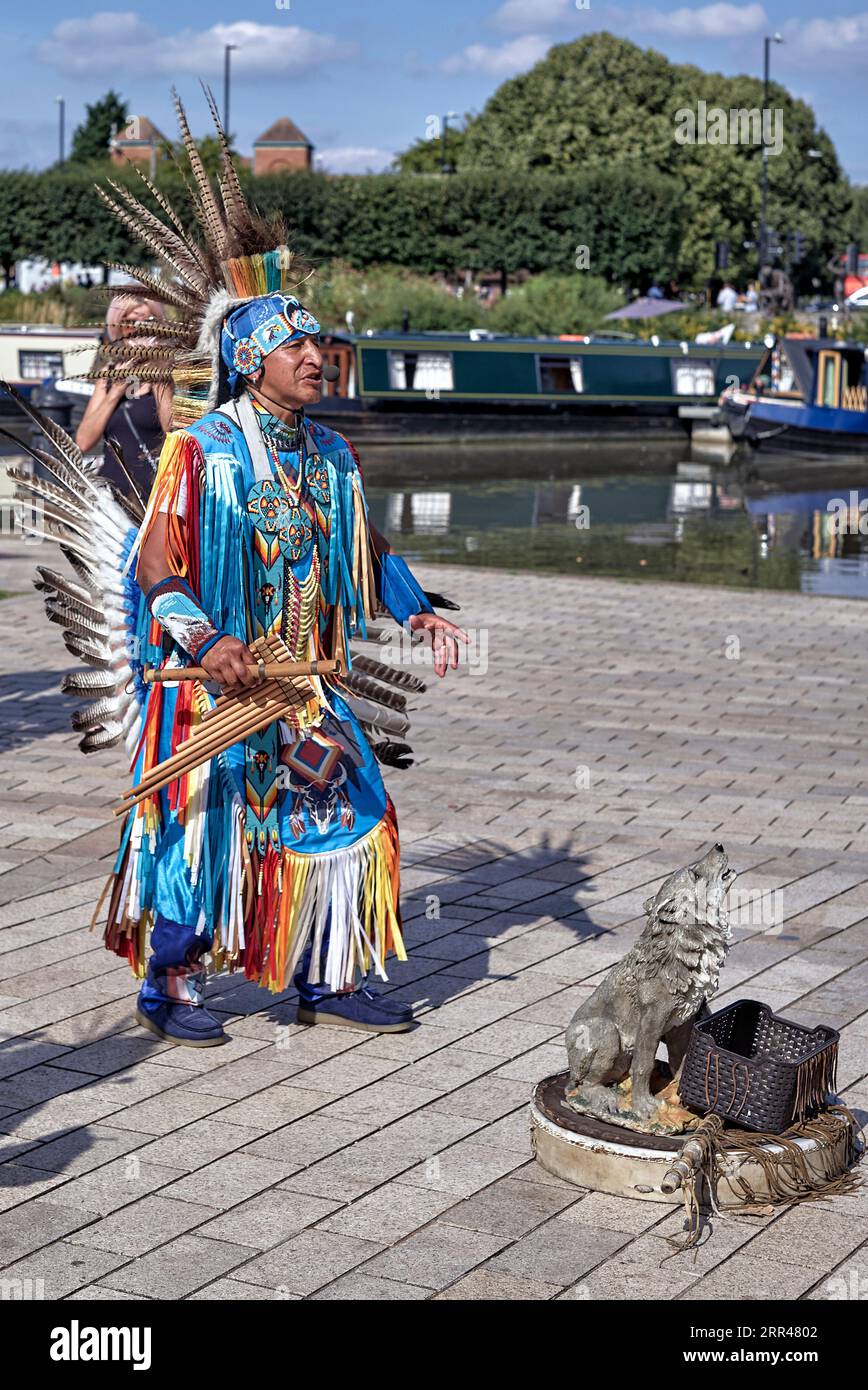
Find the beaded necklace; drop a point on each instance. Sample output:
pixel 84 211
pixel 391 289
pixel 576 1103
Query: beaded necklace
pixel 278 436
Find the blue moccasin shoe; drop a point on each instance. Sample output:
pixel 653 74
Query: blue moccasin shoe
pixel 398 1007
pixel 363 1009
pixel 188 1025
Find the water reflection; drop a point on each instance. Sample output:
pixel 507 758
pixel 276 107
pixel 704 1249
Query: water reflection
pixel 645 514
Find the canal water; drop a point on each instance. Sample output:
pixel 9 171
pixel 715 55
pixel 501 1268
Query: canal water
pixel 639 511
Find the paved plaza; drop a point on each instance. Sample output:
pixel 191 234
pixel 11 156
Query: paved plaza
pixel 617 731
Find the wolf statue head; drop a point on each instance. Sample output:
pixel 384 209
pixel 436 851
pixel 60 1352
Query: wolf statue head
pixel 694 896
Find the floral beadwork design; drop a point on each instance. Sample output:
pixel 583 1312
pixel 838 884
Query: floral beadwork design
pixel 317 479
pixel 296 534
pixel 266 506
pixel 272 513
pixel 247 357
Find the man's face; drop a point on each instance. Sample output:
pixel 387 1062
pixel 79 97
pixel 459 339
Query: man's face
pixel 292 374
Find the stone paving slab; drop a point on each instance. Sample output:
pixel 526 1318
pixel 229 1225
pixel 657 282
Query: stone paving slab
pixel 609 740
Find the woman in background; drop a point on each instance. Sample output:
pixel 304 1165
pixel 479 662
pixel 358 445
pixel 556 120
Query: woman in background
pixel 136 415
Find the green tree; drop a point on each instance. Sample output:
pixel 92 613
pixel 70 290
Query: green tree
pixel 857 226
pixel 61 218
pixel 16 194
pixel 552 304
pixel 601 103
pixel 90 140
pixel 434 151
pixel 631 220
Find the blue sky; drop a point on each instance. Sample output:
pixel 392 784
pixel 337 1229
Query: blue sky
pixel 363 79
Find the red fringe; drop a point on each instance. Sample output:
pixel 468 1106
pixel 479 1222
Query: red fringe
pixel 261 924
pixel 391 823
pixel 181 458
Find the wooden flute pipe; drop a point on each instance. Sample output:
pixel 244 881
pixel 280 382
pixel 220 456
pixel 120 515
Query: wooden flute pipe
pixel 266 670
pixel 200 748
pixel 252 709
pixel 228 722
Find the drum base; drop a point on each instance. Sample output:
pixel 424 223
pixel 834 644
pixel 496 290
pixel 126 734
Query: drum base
pixel 608 1158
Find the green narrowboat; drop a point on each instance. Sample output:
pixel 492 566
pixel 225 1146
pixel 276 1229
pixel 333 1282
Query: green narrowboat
pixel 481 382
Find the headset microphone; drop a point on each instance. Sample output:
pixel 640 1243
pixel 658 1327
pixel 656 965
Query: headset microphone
pixel 330 373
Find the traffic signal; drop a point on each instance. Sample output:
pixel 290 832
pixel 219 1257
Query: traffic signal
pixel 853 258
pixel 721 255
pixel 800 245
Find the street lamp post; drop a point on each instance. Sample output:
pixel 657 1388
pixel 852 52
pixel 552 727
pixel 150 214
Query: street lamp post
pixel 767 43
pixel 227 49
pixel 61 113
pixel 450 115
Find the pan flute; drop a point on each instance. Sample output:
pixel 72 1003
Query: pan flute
pixel 234 717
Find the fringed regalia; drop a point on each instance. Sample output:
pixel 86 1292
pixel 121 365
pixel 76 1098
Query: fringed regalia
pixel 278 853
pixel 268 840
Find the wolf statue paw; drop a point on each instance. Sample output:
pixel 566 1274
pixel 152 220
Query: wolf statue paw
pixel 644 1108
pixel 601 1101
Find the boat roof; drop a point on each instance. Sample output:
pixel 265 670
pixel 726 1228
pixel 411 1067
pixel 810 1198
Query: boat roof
pixel 49 330
pixel 563 344
pixel 802 355
pixel 824 344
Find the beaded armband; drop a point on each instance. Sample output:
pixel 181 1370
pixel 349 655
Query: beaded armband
pixel 174 605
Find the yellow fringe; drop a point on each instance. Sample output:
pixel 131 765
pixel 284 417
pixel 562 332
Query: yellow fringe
pixel 375 904
pixel 363 567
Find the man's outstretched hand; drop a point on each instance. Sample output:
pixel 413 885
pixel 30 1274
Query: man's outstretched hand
pixel 229 663
pixel 443 636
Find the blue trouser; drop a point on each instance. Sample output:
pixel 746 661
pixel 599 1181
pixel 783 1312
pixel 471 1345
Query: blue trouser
pixel 309 993
pixel 176 974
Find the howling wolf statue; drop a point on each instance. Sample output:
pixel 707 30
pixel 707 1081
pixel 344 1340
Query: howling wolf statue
pixel 656 992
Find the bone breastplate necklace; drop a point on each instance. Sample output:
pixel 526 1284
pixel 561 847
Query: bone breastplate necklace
pixel 286 594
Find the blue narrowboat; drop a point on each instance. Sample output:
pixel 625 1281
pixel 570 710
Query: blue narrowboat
pixel 806 394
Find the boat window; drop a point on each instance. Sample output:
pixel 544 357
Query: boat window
pixel 420 371
pixel 560 373
pixel 783 376
pixel 431 513
pixel 36 366
pixel 828 378
pixel 693 378
pixel 854 391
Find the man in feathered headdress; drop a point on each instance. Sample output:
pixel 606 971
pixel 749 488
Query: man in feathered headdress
pixel 279 853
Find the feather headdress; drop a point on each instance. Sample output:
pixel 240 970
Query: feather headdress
pixel 233 255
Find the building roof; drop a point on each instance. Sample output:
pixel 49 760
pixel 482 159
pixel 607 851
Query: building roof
pixel 139 130
pixel 283 132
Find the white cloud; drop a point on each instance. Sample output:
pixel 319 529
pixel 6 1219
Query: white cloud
pixel 516 55
pixel 522 15
pixel 354 159
pixel 719 21
pixel 110 42
pixel 819 36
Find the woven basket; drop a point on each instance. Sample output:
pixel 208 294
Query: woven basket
pixel 758 1070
